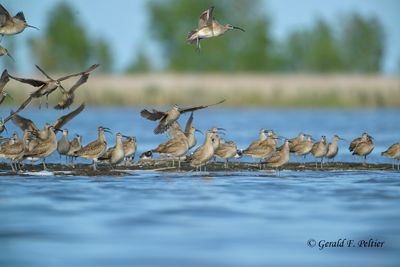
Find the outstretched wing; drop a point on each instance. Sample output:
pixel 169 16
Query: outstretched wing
pixel 189 123
pixel 184 110
pixel 206 18
pixel 89 70
pixel 23 105
pixel 60 122
pixel 4 15
pixel 81 81
pixel 33 82
pixel 44 73
pixel 23 123
pixel 3 80
pixel 153 116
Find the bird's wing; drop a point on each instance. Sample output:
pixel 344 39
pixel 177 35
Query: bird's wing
pixel 206 18
pixel 354 143
pixel 153 116
pixel 81 81
pixel 89 70
pixel 4 15
pixel 60 122
pixel 23 105
pixel 3 80
pixel 33 82
pixel 23 123
pixel 65 102
pixel 44 73
pixel 184 110
pixel 189 123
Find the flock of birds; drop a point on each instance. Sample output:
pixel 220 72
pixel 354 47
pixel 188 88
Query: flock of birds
pixel 39 144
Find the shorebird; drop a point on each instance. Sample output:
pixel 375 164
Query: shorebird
pixel 44 148
pixel 357 140
pixel 15 151
pixel 130 148
pixel 94 150
pixel 363 146
pixel 74 146
pixel 4 51
pixel 25 123
pixel 333 147
pixel 176 147
pixel 279 158
pixel 168 117
pixel 204 152
pixel 208 27
pixel 63 145
pixel 226 150
pixel 50 85
pixel 303 148
pixel 393 152
pixel 69 95
pixel 295 141
pixel 4 79
pixel 261 150
pixel 114 155
pixel 256 143
pixel 190 132
pixel 320 149
pixel 12 25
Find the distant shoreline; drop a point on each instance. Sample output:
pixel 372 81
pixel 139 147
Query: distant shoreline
pixel 240 90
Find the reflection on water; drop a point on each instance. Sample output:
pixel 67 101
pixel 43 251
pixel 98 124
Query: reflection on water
pixel 207 219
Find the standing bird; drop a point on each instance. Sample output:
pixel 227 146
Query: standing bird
pixel 4 79
pixel 168 117
pixel 364 147
pixel 203 153
pixel 12 25
pixel 393 152
pixel 190 132
pixel 295 141
pixel 63 145
pixel 320 149
pixel 114 155
pixel 208 27
pixel 176 147
pixel 50 85
pixel 357 140
pixel 15 151
pixel 226 150
pixel 333 147
pixel 94 150
pixel 74 146
pixel 4 51
pixel 279 158
pixel 69 95
pixel 130 148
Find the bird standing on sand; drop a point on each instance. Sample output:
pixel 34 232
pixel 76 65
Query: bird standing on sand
pixel 226 150
pixel 333 147
pixel 208 27
pixel 114 155
pixel 279 158
pixel 203 153
pixel 362 146
pixel 320 149
pixel 393 152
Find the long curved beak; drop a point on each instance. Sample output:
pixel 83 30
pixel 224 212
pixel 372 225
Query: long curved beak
pixel 125 136
pixel 221 129
pixel 8 54
pixel 238 28
pixel 196 130
pixel 30 26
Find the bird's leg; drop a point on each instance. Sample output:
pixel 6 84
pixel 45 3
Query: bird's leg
pixel 12 166
pixel 322 161
pixel 47 101
pixel 179 163
pixel 44 164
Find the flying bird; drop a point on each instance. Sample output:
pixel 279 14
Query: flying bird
pixel 12 25
pixel 4 51
pixel 68 95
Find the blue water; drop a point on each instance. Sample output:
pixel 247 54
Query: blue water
pixel 208 219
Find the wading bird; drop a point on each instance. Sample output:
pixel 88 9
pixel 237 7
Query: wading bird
pixel 12 25
pixel 168 117
pixel 362 146
pixel 208 27
pixel 393 152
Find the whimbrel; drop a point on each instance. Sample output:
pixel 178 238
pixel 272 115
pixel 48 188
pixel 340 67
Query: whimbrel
pixel 393 152
pixel 69 95
pixel 94 150
pixel 15 151
pixel 303 148
pixel 44 148
pixel 176 147
pixel 114 155
pixel 50 85
pixel 4 51
pixel 208 27
pixel 130 148
pixel 320 149
pixel 333 147
pixel 190 132
pixel 364 147
pixel 168 117
pixel 4 79
pixel 63 145
pixel 357 140
pixel 203 153
pixel 279 158
pixel 74 146
pixel 226 150
pixel 12 25
pixel 261 150
pixel 295 141
pixel 257 142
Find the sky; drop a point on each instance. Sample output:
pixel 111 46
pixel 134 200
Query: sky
pixel 124 24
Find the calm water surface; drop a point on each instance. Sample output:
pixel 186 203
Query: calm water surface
pixel 207 219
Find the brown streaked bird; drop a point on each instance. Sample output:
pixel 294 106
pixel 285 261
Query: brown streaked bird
pixel 257 142
pixel 4 79
pixel 114 155
pixel 94 150
pixel 190 132
pixel 25 123
pixel 15 151
pixel 320 149
pixel 208 27
pixel 333 147
pixel 364 147
pixel 12 25
pixel 226 150
pixel 74 145
pixel 357 140
pixel 393 152
pixel 63 145
pixel 50 85
pixel 4 52
pixel 262 150
pixel 203 153
pixel 303 148
pixel 175 147
pixel 130 148
pixel 44 148
pixel 168 117
pixel 295 141
pixel 69 95
pixel 279 158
